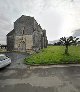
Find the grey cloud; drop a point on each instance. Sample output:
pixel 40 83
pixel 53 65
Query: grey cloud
pixel 10 10
pixel 13 9
pixel 76 33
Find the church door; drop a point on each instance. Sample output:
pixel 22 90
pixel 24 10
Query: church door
pixel 22 47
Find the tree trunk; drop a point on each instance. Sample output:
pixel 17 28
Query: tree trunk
pixel 66 50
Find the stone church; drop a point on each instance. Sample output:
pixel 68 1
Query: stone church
pixel 26 35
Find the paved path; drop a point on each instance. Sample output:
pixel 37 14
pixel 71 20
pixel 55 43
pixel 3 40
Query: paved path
pixel 63 78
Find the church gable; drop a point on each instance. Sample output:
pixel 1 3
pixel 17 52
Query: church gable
pixel 26 35
pixel 24 25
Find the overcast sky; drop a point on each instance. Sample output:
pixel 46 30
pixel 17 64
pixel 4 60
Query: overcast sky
pixel 58 17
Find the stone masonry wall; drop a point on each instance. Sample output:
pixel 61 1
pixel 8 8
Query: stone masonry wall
pixel 26 40
pixel 24 23
pixel 27 35
pixel 10 43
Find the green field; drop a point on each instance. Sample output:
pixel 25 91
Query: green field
pixel 55 55
pixel 2 50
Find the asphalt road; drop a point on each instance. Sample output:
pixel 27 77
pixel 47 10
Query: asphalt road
pixel 17 59
pixel 55 78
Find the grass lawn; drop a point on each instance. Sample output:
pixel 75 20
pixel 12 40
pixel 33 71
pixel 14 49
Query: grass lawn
pixel 2 50
pixel 55 55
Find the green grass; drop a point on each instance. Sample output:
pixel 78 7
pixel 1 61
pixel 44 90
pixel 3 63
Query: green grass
pixel 2 50
pixel 55 55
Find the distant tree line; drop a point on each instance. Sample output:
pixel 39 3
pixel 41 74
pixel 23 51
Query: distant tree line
pixel 3 46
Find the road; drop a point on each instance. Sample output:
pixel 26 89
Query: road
pixel 53 78
pixel 17 59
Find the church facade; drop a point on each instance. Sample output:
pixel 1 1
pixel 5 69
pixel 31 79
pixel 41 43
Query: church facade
pixel 26 35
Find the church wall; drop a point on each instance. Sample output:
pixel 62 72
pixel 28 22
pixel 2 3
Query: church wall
pixel 24 24
pixel 10 43
pixel 27 35
pixel 27 39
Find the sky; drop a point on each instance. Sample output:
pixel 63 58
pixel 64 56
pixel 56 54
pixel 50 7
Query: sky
pixel 59 17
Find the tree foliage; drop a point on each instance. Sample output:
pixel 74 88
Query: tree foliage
pixel 68 41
